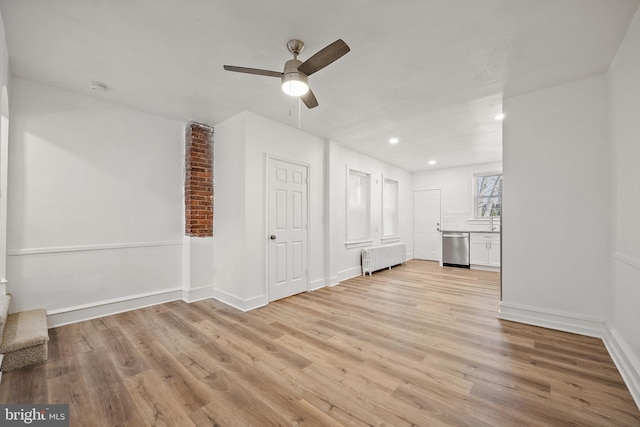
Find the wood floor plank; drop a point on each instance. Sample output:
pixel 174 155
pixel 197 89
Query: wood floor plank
pixel 418 345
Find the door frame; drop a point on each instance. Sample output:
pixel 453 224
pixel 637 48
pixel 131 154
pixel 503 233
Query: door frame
pixel 268 158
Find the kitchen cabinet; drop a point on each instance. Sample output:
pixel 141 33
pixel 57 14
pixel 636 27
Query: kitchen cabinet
pixel 484 249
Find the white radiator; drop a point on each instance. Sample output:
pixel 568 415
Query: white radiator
pixel 385 256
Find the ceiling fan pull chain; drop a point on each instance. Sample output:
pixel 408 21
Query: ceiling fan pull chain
pixel 299 102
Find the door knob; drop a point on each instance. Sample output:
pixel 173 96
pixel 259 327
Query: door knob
pixel 272 237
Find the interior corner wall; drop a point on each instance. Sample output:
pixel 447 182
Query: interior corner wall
pixel 242 145
pixel 95 204
pixel 347 262
pixel 198 268
pixel 624 308
pixel 229 212
pixel 267 137
pixel 555 265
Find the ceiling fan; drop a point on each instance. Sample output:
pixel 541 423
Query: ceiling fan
pixel 294 76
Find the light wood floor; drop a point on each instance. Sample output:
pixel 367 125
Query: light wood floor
pixel 415 346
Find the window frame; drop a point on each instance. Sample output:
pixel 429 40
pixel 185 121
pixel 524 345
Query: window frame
pixel 475 197
pixel 351 240
pixel 394 234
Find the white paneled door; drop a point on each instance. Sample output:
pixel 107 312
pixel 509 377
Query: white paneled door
pixel 426 222
pixel 288 228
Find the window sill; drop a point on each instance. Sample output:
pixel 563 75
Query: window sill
pixel 390 239
pixel 358 244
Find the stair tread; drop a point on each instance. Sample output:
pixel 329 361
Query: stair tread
pixel 24 329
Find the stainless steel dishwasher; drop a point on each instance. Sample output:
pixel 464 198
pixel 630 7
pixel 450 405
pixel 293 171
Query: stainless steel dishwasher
pixel 455 249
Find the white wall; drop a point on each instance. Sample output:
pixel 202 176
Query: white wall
pixel 456 192
pixel 242 145
pixel 624 309
pixel 229 212
pixel 95 201
pixel 197 268
pixel 556 197
pixel 345 262
pixel 4 151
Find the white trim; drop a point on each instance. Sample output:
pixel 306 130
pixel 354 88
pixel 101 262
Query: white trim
pixel 358 244
pixel 627 364
pixel 390 239
pixel 397 210
pixel 197 294
pixel 240 303
pixel 335 280
pixel 484 267
pixel 83 248
pixel 368 202
pixel 317 284
pixel 79 313
pixel 349 273
pixel 562 321
pixel 631 262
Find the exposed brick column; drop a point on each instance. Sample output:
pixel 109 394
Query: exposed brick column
pixel 198 182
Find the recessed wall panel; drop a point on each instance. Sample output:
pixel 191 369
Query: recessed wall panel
pixel 296 249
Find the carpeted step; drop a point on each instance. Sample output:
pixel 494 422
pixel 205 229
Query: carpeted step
pixel 25 339
pixel 5 300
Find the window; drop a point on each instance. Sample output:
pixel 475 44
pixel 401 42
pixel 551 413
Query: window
pixel 487 195
pixel 390 208
pixel 358 206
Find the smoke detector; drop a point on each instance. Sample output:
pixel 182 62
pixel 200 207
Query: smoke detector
pixel 98 87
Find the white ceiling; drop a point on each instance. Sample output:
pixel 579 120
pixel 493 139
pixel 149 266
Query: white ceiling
pixel 431 72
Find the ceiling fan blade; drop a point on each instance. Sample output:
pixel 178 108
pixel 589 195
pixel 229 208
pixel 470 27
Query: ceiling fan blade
pixel 309 99
pixel 324 57
pixel 257 71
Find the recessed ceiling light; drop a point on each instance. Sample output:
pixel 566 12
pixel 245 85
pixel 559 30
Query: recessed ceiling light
pixel 432 162
pixel 499 116
pixel 393 140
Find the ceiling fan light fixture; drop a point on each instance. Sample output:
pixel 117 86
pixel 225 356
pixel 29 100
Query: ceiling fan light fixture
pixel 294 83
pixel 295 87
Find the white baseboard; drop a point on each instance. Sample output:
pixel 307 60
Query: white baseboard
pixel 67 315
pixel 317 284
pixel 567 322
pixel 335 280
pixel 484 268
pixel 620 352
pixel 197 294
pixel 349 273
pixel 239 303
pixel 627 364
